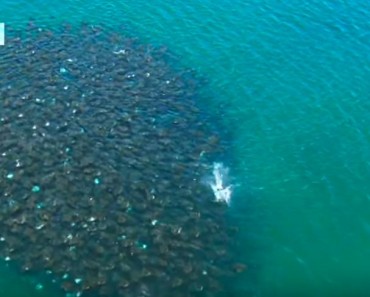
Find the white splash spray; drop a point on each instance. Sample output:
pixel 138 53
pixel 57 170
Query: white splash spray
pixel 218 183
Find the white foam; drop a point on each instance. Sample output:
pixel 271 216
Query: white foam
pixel 218 183
pixel 2 34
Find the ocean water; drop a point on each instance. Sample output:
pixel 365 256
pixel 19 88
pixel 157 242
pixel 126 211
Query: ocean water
pixel 289 80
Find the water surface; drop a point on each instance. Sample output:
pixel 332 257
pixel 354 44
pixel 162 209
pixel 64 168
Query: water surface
pixel 289 78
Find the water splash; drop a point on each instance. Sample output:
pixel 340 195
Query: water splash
pixel 219 183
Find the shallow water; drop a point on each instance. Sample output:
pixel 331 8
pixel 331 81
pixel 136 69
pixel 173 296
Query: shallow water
pixel 289 80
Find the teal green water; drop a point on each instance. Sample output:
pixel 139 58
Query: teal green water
pixel 290 78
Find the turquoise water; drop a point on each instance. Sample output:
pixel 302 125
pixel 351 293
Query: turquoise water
pixel 290 80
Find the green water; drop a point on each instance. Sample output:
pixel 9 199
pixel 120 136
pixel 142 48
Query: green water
pixel 290 79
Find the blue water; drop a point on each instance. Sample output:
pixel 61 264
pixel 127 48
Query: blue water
pixel 289 79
